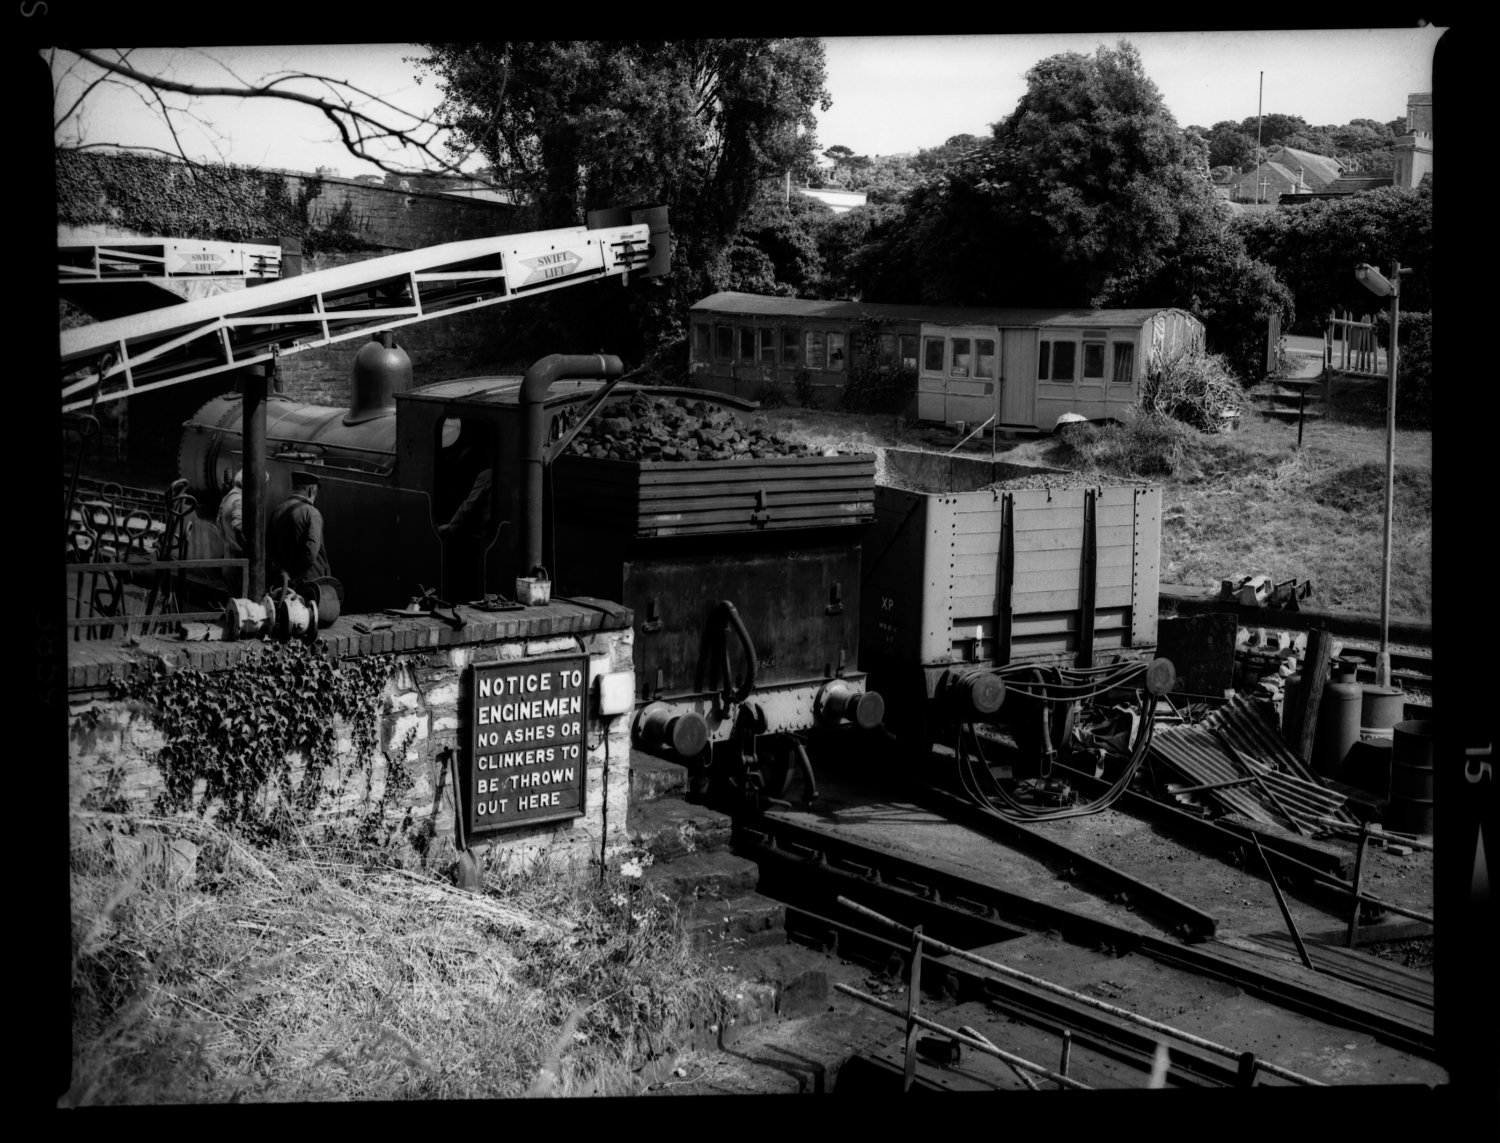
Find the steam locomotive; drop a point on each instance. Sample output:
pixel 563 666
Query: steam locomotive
pixel 742 575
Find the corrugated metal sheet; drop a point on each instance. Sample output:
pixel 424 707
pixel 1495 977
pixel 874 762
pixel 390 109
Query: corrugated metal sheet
pixel 730 302
pixel 1199 754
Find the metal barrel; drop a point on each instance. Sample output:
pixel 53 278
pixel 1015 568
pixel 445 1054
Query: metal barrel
pixel 1381 709
pixel 1410 809
pixel 1338 728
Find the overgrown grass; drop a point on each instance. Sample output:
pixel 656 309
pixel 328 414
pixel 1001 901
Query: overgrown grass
pixel 206 970
pixel 1250 502
pixel 1247 502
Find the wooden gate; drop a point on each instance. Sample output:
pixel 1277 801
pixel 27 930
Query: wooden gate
pixel 1349 346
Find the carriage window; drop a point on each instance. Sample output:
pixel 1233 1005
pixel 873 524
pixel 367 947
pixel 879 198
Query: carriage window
pixel 932 354
pixel 789 347
pixel 908 351
pixel 814 352
pixel 724 342
pixel 1063 353
pixel 887 349
pixel 984 357
pixel 835 351
pixel 1124 363
pixel 1093 359
pixel 767 346
pixel 1044 352
pixel 747 343
pixel 702 342
pixel 960 365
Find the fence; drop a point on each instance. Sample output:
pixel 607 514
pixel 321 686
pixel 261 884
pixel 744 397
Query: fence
pixel 1349 345
pixel 129 546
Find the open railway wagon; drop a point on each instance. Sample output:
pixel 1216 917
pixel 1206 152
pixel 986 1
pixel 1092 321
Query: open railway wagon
pixel 1010 613
pixel 742 574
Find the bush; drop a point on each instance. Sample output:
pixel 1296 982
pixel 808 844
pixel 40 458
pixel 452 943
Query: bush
pixel 802 386
pixel 772 395
pixel 1143 443
pixel 873 386
pixel 871 389
pixel 1193 387
pixel 1413 365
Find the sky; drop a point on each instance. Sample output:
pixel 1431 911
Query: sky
pixel 891 95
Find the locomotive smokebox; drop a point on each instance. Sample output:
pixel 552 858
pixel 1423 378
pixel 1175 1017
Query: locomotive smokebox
pixel 381 370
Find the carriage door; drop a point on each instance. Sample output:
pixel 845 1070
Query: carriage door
pixel 969 372
pixel 1018 378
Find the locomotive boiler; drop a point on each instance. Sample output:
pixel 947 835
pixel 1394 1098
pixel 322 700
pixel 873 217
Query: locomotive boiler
pixel 743 575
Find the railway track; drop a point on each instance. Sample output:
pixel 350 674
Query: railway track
pixel 1412 669
pixel 809 867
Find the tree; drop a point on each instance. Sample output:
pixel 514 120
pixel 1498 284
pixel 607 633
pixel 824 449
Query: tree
pixel 1273 128
pixel 1087 194
pixel 694 125
pixel 840 156
pixel 1229 146
pixel 368 126
pixel 1315 247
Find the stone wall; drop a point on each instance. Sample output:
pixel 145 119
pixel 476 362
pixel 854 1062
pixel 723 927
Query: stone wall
pixel 113 743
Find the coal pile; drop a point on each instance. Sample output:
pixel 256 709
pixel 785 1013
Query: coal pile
pixel 646 428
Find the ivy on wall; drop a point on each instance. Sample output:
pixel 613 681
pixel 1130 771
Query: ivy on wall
pixel 211 201
pixel 237 729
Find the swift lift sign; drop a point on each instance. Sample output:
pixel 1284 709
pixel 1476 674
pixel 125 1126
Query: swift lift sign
pixel 526 743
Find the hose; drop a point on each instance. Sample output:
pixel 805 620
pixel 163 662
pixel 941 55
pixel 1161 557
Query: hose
pixel 731 618
pixel 1003 804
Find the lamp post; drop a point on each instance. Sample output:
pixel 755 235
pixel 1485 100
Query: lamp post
pixel 1371 279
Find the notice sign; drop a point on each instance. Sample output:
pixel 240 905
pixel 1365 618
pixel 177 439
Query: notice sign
pixel 526 743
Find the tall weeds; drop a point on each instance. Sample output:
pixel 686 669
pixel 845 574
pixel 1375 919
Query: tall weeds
pixel 205 970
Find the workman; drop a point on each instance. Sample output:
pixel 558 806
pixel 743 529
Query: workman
pixel 231 523
pixel 294 534
pixel 472 517
pixel 465 534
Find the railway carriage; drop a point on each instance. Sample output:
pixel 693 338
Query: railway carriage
pixel 1017 369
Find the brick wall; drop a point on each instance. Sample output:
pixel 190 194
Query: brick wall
pixel 395 221
pixel 112 753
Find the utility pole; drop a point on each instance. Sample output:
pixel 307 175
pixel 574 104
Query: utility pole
pixel 1260 104
pixel 1383 656
pixel 1369 277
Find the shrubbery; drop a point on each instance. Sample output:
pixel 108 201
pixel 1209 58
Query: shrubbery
pixel 1194 387
pixel 1413 365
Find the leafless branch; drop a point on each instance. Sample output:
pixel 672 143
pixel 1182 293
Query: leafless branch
pixel 359 129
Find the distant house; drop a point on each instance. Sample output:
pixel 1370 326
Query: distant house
pixel 1286 172
pixel 836 197
pixel 1413 153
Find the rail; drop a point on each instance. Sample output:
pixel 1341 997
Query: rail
pixel 920 940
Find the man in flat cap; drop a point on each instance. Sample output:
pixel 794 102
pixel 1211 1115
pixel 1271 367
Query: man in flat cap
pixel 294 534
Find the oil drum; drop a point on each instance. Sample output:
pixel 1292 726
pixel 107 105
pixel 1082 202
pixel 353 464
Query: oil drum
pixel 1338 728
pixel 1410 809
pixel 1382 708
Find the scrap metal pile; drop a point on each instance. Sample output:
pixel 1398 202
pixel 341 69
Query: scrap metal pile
pixel 650 428
pixel 1234 762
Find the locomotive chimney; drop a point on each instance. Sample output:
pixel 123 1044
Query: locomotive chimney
pixel 381 370
pixel 534 386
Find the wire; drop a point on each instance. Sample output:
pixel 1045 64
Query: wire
pixel 1017 811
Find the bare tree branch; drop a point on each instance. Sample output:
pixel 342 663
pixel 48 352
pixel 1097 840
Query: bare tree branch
pixel 358 129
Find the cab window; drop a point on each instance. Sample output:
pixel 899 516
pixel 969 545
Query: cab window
pixel 767 346
pixel 813 349
pixel 835 351
pixel 1093 360
pixel 959 366
pixel 984 357
pixel 932 354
